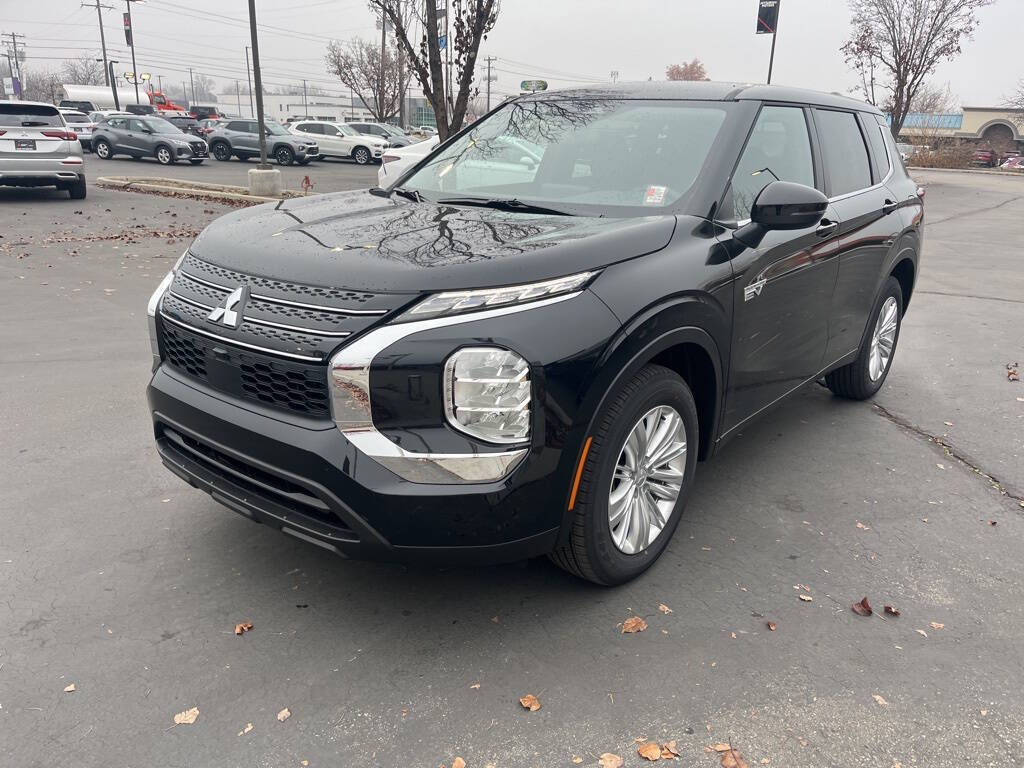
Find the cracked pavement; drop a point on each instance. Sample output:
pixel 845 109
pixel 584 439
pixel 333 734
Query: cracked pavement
pixel 120 579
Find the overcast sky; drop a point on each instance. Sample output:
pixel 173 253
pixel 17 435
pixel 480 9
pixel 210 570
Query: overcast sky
pixel 562 41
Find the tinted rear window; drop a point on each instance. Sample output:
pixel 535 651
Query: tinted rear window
pixel 29 115
pixel 879 151
pixel 846 156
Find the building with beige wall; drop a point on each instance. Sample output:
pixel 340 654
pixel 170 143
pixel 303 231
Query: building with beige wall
pixel 998 127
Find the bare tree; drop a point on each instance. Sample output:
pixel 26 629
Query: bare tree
pixel 468 23
pixel 931 106
pixel 205 87
pixel 84 70
pixel 688 70
pixel 903 41
pixel 357 64
pixel 1016 105
pixel 41 85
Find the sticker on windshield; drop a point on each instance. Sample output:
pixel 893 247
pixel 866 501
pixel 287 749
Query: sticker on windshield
pixel 655 195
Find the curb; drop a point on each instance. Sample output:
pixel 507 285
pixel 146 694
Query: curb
pixel 174 186
pixel 980 171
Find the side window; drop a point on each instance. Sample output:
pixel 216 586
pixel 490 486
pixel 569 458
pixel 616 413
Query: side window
pixel 845 155
pixel 236 125
pixel 135 125
pixel 311 128
pixel 779 148
pixel 328 130
pixel 116 122
pixel 879 152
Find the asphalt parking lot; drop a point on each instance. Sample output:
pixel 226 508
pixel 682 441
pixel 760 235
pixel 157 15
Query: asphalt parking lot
pixel 118 578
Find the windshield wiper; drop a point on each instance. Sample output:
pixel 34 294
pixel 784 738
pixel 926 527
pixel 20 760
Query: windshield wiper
pixel 409 194
pixel 509 204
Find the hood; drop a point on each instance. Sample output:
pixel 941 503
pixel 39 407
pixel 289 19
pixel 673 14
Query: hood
pixel 358 241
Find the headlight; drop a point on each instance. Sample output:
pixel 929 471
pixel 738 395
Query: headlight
pixel 457 302
pixel 154 302
pixel 487 394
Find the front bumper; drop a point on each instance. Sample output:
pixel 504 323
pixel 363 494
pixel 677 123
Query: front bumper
pixel 308 481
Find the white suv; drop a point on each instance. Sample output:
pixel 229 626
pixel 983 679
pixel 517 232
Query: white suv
pixel 38 150
pixel 340 140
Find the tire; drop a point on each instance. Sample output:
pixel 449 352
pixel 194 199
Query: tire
pixel 103 149
pixel 164 155
pixel 77 190
pixel 284 155
pixel 198 161
pixel 221 150
pixel 361 155
pixel 855 381
pixel 591 552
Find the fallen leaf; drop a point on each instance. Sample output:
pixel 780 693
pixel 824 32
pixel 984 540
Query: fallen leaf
pixel 804 587
pixel 733 634
pixel 243 627
pixel 937 625
pixel 940 466
pixel 984 712
pixel 991 522
pixel 530 702
pixel 881 702
pixel 608 760
pixel 187 717
pixel 576 759
pixel 494 619
pixel 284 714
pixel 459 763
pixel 862 526
pixel 669 750
pixel 70 688
pixel 721 747
pixel 664 609
pixel 806 598
pixel 863 608
pixel 633 624
pixel 733 759
pixel 891 611
pixel 248 727
pixel 772 626
pixel 948 423
pixel 921 632
pixel 475 686
pixel 649 751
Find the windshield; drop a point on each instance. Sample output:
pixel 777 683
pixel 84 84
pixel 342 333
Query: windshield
pixel 347 130
pixel 615 156
pixel 393 130
pixel 275 130
pixel 162 126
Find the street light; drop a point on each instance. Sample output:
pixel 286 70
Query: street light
pixel 113 82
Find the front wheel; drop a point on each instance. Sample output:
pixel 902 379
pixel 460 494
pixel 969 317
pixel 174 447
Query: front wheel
pixel 164 156
pixel 636 477
pixel 864 376
pixel 284 156
pixel 361 155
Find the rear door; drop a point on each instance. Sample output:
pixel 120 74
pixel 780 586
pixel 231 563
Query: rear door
pixel 136 139
pixel 31 132
pixel 857 166
pixel 783 288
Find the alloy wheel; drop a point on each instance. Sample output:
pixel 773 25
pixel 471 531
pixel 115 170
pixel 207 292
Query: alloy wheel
pixel 163 156
pixel 102 150
pixel 647 480
pixel 883 339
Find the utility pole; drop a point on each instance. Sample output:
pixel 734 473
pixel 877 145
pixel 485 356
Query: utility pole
pixel 259 84
pixel 383 53
pixel 10 68
pixel 305 108
pixel 109 71
pixel 615 75
pixel 20 90
pixel 238 99
pixel 131 44
pixel 193 84
pixel 103 38
pixel 160 82
pixel 490 59
pixel 252 111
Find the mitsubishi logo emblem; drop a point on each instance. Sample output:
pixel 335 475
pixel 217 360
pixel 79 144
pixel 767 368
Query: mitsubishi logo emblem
pixel 229 311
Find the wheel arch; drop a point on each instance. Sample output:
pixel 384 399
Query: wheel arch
pixel 905 272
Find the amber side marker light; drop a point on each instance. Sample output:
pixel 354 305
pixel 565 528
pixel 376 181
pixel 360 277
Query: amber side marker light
pixel 579 473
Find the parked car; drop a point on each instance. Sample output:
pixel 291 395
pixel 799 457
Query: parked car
pixel 1015 163
pixel 140 109
pixel 396 161
pixel 1007 155
pixel 185 124
pixel 81 124
pixel 340 140
pixel 427 130
pixel 985 158
pixel 37 149
pixel 394 136
pixel 207 124
pixel 204 111
pixel 461 368
pixel 240 138
pixel 98 115
pixel 147 137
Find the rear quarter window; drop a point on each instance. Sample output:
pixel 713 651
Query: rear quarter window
pixel 30 116
pixel 879 151
pixel 846 156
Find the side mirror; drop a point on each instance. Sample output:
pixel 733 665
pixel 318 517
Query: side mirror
pixel 782 205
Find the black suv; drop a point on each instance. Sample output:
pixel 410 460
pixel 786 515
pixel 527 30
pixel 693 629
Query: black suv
pixel 501 356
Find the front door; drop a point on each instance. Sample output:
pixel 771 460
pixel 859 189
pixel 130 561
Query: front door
pixel 783 289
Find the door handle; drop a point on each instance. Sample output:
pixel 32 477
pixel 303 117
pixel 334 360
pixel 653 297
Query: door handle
pixel 826 228
pixel 889 206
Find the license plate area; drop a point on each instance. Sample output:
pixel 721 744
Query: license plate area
pixel 24 143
